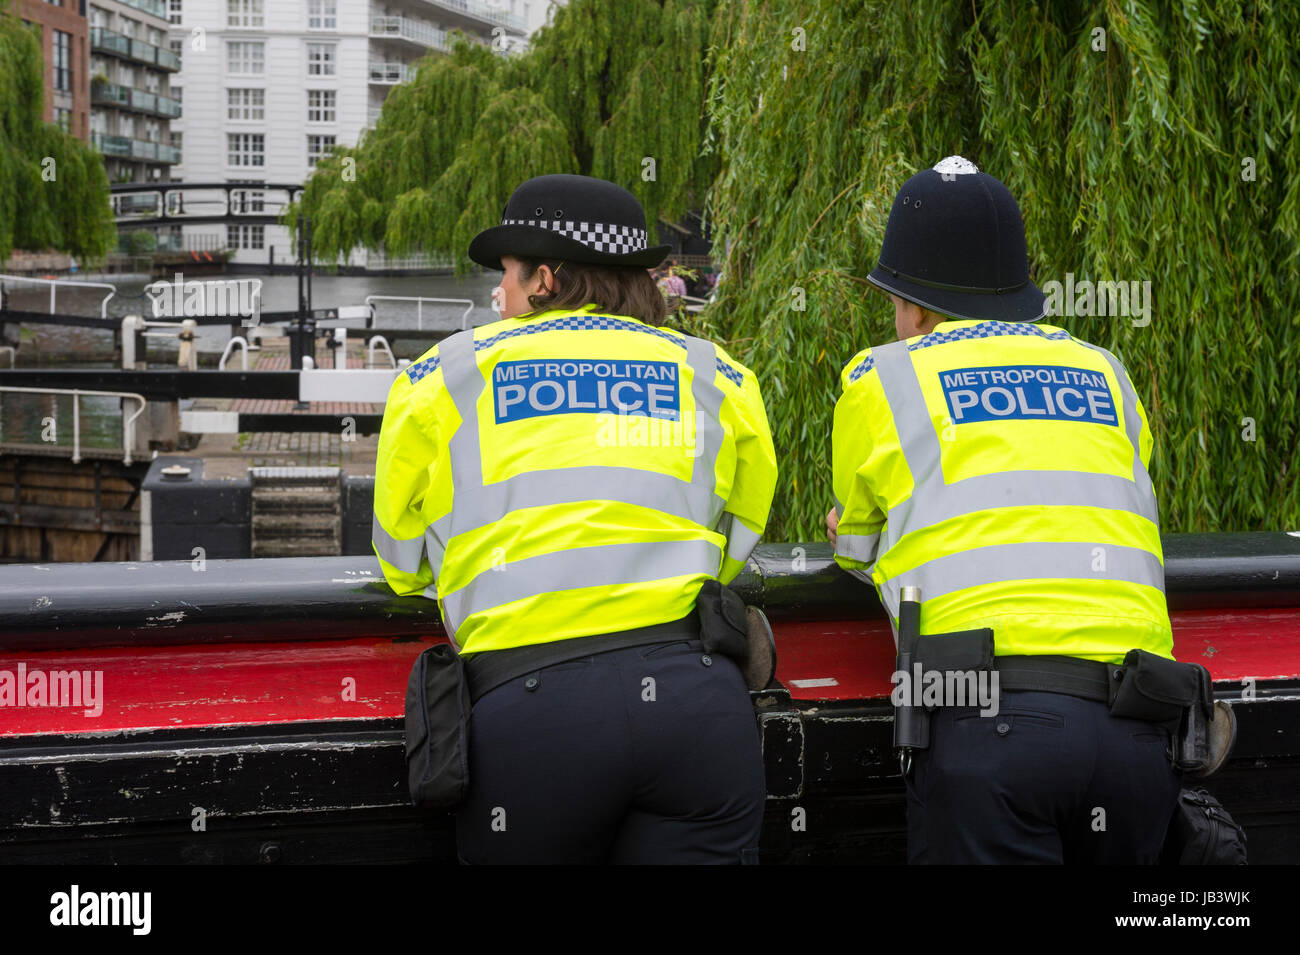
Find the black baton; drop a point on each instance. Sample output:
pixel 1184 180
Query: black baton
pixel 911 723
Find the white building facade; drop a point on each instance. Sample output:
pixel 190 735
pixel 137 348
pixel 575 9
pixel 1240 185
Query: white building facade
pixel 269 86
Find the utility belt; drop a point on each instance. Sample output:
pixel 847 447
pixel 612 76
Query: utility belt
pixel 444 686
pixel 1176 696
pixel 489 670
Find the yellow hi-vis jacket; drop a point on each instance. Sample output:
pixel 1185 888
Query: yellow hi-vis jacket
pixel 1002 468
pixel 568 474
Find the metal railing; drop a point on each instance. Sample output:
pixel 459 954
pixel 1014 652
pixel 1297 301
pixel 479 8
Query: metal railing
pixel 128 424
pixel 110 41
pixel 419 301
pixel 146 101
pixel 389 72
pixel 404 28
pixel 242 342
pixel 416 262
pixel 55 284
pixel 483 11
pixel 154 7
pixel 134 148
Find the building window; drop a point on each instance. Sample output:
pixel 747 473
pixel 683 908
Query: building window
pixel 244 14
pixel 320 59
pixel 245 56
pixel 318 147
pixel 178 93
pixel 63 119
pixel 245 149
pixel 320 106
pixel 246 201
pixel 242 104
pixel 177 47
pixel 128 26
pixel 245 236
pixel 322 15
pixel 177 138
pixel 174 11
pixel 62 61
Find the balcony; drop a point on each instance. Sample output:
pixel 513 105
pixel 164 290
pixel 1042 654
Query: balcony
pixel 402 28
pixel 126 97
pixel 390 73
pixel 484 12
pixel 154 8
pixel 111 145
pixel 115 44
pixel 126 148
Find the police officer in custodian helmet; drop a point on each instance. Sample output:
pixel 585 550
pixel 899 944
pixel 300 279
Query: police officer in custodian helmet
pixel 1000 466
pixel 565 481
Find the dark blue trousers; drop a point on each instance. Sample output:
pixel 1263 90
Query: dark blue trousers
pixel 643 755
pixel 1050 779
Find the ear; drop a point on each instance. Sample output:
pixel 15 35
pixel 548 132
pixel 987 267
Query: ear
pixel 913 317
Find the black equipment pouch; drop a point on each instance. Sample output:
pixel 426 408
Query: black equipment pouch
pixel 1202 833
pixel 966 650
pixel 1176 696
pixel 724 628
pixel 437 727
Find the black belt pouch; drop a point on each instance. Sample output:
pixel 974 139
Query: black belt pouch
pixel 959 652
pixel 1157 689
pixel 724 628
pixel 437 725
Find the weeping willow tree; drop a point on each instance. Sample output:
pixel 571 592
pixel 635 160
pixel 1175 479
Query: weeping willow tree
pixel 1144 142
pixel 53 189
pixel 614 90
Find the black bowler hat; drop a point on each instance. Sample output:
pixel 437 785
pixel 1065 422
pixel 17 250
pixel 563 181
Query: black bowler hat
pixel 573 219
pixel 955 244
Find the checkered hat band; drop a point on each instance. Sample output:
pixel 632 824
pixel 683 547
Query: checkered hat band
pixel 599 236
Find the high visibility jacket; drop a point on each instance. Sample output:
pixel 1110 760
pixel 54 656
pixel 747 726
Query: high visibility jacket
pixel 1002 468
pixel 569 474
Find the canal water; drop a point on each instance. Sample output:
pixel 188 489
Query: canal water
pixel 33 419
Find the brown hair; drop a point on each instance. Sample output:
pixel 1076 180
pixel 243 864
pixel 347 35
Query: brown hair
pixel 616 289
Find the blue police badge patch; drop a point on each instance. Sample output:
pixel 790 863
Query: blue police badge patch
pixel 1049 392
pixel 533 389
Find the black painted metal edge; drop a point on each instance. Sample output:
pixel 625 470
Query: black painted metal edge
pixel 57 606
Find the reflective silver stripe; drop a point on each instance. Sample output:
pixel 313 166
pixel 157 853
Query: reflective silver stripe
pixel 927 507
pixel 580 567
pixel 911 417
pixel 740 541
pixel 1004 563
pixel 1132 425
pixel 448 628
pixel 481 506
pixel 857 546
pixel 404 554
pixel 435 550
pixel 464 383
pixel 702 357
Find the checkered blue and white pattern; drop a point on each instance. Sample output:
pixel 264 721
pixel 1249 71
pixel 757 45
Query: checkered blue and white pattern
pixel 985 330
pixel 599 236
pixel 982 330
pixel 573 323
